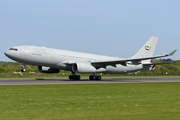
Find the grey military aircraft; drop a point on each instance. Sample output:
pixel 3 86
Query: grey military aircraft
pixel 53 60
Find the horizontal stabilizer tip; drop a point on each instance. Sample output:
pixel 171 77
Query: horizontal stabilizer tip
pixel 172 53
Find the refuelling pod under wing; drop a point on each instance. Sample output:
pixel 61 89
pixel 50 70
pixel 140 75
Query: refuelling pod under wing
pixel 44 69
pixel 83 68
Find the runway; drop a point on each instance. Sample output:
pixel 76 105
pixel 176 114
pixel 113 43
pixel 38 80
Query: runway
pixel 86 81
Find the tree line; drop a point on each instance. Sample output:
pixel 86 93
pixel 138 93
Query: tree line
pixel 172 69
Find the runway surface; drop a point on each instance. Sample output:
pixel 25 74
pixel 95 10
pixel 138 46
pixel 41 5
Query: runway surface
pixel 86 81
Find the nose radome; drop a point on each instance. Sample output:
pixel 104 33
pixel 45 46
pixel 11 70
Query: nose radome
pixel 6 53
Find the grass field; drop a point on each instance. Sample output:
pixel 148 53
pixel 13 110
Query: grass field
pixel 144 101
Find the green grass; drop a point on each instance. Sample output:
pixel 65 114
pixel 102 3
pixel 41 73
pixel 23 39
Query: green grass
pixel 97 101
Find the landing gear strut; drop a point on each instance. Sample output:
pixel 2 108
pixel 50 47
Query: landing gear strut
pixel 23 67
pixel 94 77
pixel 74 77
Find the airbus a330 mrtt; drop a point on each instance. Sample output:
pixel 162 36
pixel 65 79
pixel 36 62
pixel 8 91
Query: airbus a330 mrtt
pixel 53 60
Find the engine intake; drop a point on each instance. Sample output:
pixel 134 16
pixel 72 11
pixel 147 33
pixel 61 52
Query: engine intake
pixel 83 68
pixel 44 69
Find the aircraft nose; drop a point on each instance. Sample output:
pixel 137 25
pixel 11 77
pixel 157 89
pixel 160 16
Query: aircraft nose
pixel 8 53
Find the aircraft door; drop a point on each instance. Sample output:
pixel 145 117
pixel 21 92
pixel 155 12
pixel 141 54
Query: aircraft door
pixel 52 54
pixel 26 51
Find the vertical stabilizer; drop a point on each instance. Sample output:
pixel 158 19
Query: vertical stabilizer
pixel 148 48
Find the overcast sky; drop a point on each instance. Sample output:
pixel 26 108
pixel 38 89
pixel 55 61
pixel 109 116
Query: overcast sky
pixel 116 28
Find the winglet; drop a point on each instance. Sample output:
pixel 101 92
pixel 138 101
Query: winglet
pixel 172 53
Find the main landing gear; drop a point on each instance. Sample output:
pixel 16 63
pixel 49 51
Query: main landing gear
pixel 78 77
pixel 23 68
pixel 74 77
pixel 94 77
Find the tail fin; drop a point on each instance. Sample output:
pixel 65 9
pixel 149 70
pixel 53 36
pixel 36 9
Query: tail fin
pixel 148 49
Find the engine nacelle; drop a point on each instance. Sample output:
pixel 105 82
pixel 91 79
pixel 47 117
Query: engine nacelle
pixel 83 68
pixel 44 69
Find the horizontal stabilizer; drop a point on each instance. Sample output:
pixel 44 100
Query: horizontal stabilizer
pixel 149 64
pixel 172 53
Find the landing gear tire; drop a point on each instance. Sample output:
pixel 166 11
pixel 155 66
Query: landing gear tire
pixel 78 77
pixel 91 77
pixel 98 78
pixel 74 77
pixel 94 77
pixel 23 70
pixel 70 77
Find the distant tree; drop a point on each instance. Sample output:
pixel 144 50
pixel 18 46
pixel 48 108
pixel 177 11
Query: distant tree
pixel 2 70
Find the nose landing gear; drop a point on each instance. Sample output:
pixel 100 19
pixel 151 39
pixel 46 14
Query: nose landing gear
pixel 23 68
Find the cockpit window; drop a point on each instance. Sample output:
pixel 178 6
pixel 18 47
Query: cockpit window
pixel 14 49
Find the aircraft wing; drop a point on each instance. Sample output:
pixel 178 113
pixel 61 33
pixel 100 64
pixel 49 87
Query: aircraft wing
pixel 99 64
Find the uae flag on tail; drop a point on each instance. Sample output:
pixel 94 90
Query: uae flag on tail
pixel 146 47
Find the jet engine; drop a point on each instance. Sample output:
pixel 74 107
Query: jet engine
pixel 44 69
pixel 83 68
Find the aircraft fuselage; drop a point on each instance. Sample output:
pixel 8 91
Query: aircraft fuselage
pixel 59 59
